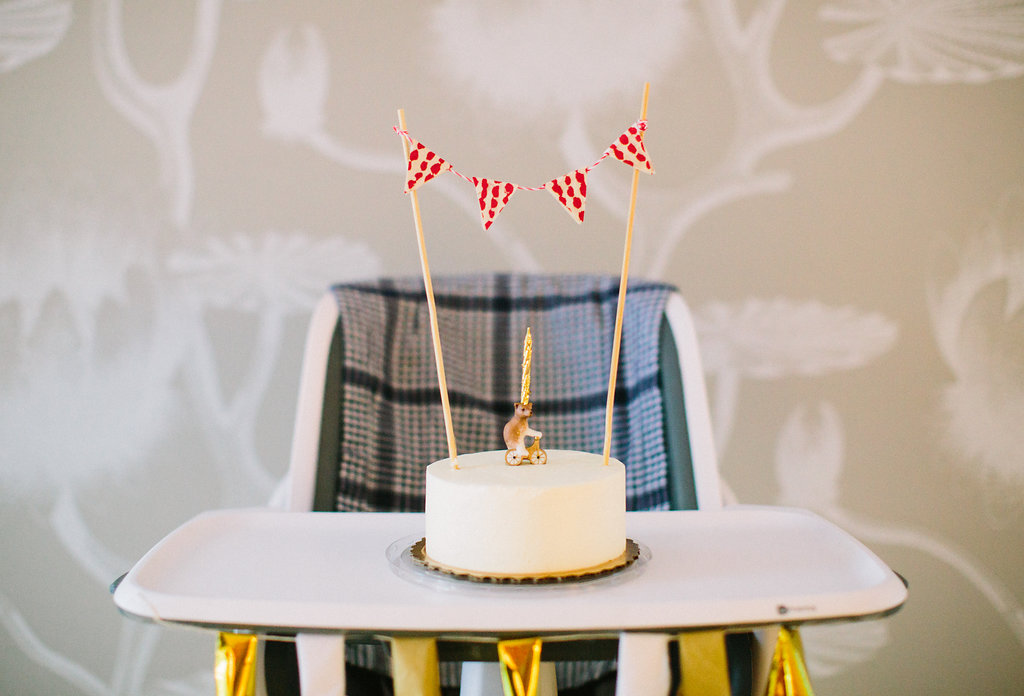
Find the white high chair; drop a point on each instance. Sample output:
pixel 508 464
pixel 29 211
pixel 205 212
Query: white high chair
pixel 368 370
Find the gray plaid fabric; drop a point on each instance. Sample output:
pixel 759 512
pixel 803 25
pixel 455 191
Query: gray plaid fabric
pixel 393 425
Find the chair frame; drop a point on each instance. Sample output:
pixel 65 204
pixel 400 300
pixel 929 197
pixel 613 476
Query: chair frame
pixel 678 337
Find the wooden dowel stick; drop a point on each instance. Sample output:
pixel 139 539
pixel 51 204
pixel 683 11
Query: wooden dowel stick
pixel 431 309
pixel 623 278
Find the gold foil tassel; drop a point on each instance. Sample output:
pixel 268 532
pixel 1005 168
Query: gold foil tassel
pixel 520 666
pixel 702 661
pixel 788 675
pixel 524 396
pixel 235 665
pixel 414 667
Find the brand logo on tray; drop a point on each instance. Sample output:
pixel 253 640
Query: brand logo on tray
pixel 785 609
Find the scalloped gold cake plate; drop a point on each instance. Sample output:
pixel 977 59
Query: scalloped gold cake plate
pixel 419 555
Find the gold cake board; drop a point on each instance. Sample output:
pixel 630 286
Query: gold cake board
pixel 632 552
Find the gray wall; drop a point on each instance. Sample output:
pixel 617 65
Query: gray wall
pixel 839 193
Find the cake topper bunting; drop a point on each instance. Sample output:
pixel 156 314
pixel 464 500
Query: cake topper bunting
pixel 423 164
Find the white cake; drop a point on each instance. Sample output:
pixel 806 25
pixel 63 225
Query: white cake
pixel 489 518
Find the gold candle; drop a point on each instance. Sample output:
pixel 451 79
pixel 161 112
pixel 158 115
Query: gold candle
pixel 524 396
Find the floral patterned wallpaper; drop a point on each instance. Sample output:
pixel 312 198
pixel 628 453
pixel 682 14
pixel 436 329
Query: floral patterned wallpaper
pixel 839 194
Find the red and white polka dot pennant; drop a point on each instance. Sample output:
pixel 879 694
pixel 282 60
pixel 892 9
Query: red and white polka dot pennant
pixel 571 192
pixel 629 148
pixel 570 189
pixel 422 165
pixel 493 196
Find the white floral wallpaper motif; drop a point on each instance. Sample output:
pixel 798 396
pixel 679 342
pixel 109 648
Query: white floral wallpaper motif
pixel 838 193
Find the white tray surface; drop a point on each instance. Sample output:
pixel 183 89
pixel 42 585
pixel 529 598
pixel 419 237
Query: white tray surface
pixel 738 566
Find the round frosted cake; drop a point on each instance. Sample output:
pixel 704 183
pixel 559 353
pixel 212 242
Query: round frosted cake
pixel 489 518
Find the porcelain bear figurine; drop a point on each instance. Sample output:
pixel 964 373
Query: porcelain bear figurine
pixel 515 433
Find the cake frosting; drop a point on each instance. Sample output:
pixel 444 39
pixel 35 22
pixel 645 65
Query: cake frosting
pixel 489 518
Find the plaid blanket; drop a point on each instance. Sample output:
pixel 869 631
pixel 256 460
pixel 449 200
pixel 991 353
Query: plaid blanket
pixel 392 418
pixel 393 424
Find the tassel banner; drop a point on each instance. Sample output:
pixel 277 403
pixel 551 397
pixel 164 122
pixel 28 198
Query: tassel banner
pixel 414 667
pixel 788 674
pixel 235 665
pixel 703 664
pixel 520 666
pixel 321 663
pixel 642 665
pixel 423 164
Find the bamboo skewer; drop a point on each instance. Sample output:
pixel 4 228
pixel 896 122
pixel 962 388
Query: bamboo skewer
pixel 432 310
pixel 617 338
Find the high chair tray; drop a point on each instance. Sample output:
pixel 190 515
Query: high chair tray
pixel 263 570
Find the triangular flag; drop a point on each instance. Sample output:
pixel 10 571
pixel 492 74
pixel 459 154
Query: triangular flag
pixel 629 148
pixel 788 675
pixel 703 664
pixel 571 192
pixel 493 196
pixel 414 667
pixel 422 165
pixel 321 663
pixel 520 666
pixel 235 665
pixel 642 665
